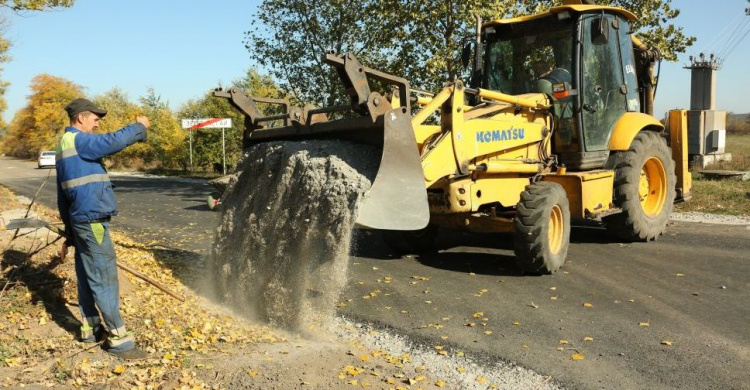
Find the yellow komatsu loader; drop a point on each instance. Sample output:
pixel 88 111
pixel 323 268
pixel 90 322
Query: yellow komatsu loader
pixel 555 127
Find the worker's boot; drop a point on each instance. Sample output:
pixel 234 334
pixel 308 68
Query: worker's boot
pixel 93 334
pixel 124 347
pixel 130 354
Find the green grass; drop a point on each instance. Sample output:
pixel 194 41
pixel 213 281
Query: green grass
pixel 723 196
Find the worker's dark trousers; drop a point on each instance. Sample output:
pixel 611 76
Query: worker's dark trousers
pixel 96 270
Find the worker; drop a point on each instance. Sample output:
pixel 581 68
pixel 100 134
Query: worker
pixel 86 202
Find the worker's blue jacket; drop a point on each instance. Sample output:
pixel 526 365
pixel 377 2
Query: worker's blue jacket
pixel 84 192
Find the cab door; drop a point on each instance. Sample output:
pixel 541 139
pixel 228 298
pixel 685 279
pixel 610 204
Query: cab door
pixel 604 89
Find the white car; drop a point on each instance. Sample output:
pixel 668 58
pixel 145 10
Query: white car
pixel 46 159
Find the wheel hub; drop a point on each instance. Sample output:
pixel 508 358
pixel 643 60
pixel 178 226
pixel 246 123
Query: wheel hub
pixel 556 227
pixel 652 187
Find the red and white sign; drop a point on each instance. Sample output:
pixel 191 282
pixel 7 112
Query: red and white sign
pixel 207 123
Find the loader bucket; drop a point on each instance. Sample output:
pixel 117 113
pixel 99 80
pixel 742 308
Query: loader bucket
pixel 397 199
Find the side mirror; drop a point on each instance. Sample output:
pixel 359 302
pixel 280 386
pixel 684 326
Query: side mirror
pixel 600 31
pixel 466 54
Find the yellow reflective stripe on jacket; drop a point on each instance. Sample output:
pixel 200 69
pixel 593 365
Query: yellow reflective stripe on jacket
pixel 67 146
pixel 99 177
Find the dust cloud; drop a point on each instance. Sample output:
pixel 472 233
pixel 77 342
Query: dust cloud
pixel 282 246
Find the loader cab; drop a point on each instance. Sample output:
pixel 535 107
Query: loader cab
pixel 582 57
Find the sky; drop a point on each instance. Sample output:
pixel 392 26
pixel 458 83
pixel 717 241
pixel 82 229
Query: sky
pixel 184 48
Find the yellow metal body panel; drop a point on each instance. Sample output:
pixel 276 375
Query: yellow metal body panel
pixel 490 189
pixel 491 137
pixel 467 194
pixel 587 191
pixel 556 10
pixel 678 143
pixel 439 161
pixel 630 124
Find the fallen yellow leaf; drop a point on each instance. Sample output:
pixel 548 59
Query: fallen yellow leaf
pixel 563 341
pixel 588 338
pixel 667 343
pixel 488 332
pixel 576 356
pixel 478 314
pixel 440 383
pixel 364 358
pixel 517 323
pixel 461 369
pixel 643 324
pixel 119 369
pixel 586 304
pixel 482 380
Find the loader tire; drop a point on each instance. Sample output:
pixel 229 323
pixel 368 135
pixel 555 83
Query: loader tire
pixel 415 242
pixel 542 228
pixel 644 189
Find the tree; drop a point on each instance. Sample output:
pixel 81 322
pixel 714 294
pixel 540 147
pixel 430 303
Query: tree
pixel 165 137
pixel 420 41
pixel 35 5
pixel 38 125
pixel 289 37
pixel 207 147
pixel 20 6
pixel 653 26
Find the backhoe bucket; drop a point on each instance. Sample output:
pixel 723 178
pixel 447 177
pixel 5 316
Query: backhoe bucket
pixel 397 199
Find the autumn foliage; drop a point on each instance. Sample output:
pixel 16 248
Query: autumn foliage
pixel 39 124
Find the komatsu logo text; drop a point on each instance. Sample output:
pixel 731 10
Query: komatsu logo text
pixel 500 135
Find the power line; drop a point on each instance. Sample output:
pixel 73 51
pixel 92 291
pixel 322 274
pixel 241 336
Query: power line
pixel 725 42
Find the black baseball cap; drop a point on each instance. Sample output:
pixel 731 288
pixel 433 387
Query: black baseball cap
pixel 82 105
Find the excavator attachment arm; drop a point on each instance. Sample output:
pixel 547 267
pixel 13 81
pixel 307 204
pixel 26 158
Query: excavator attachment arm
pixel 397 199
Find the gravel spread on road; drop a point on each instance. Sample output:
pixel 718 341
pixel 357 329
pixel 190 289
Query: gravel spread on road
pixel 282 244
pixel 456 369
pixel 710 218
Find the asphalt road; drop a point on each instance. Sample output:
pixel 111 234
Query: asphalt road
pixel 690 289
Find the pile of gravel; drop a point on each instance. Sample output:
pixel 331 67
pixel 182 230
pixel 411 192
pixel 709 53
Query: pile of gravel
pixel 282 245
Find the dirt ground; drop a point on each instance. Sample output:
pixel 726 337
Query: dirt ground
pixel 191 344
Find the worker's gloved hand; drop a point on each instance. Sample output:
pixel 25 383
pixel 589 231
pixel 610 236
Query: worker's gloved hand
pixel 146 123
